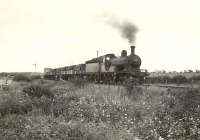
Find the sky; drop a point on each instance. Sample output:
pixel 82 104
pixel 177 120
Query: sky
pixel 56 33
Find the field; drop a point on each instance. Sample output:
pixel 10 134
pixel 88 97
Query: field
pixel 54 110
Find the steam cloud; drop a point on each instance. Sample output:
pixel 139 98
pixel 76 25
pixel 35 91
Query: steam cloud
pixel 127 29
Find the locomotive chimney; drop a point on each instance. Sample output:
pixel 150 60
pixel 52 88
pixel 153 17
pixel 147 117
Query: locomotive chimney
pixel 132 50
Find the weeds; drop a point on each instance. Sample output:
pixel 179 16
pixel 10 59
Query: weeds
pixel 133 91
pixel 95 112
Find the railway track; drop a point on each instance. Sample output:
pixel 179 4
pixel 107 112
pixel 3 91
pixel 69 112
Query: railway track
pixel 174 86
pixel 170 85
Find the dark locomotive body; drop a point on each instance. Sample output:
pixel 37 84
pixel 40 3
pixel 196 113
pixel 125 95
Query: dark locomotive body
pixel 104 69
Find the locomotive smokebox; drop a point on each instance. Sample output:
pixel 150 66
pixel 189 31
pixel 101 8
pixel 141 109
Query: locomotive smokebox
pixel 132 50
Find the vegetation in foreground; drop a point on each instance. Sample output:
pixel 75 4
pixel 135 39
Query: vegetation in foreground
pixel 81 111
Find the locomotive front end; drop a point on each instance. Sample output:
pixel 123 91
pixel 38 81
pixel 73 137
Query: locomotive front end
pixel 133 59
pixel 127 63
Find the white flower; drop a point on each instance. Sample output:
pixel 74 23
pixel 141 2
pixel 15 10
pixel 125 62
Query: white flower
pixel 160 138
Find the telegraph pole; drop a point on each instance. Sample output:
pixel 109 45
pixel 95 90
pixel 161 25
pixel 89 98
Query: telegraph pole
pixel 97 53
pixel 35 65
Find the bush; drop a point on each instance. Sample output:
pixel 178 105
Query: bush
pixel 79 82
pixel 38 91
pixel 22 78
pixel 166 79
pixel 179 79
pixel 13 105
pixel 35 77
pixel 13 127
pixel 194 78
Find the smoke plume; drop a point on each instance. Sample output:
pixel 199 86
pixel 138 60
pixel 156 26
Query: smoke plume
pixel 127 29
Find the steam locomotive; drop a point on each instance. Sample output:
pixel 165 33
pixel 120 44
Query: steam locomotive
pixel 104 69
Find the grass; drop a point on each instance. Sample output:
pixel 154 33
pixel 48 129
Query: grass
pixel 65 110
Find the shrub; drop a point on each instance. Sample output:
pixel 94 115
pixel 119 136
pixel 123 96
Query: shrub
pixel 179 79
pixel 194 78
pixel 79 82
pixel 166 79
pixel 22 78
pixel 5 87
pixel 13 127
pixel 35 77
pixel 41 98
pixel 38 91
pixel 13 105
